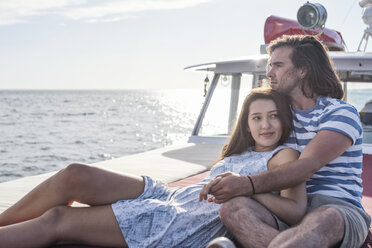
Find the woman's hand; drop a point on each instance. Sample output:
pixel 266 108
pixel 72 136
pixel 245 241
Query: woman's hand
pixel 224 187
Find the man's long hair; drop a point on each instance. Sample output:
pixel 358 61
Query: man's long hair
pixel 241 139
pixel 309 53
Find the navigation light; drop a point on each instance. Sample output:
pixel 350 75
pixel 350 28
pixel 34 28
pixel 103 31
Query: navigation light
pixel 312 15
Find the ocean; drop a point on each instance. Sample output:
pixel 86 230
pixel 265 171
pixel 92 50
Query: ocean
pixel 45 130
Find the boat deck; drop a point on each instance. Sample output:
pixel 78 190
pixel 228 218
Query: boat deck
pixel 367 183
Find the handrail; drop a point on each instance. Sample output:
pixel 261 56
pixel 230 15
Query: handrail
pixel 208 98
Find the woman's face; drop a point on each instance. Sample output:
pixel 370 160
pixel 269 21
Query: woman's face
pixel 264 124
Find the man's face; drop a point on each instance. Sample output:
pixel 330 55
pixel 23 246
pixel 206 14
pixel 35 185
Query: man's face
pixel 284 77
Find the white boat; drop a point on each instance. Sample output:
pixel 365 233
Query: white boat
pixel 352 67
pixel 174 163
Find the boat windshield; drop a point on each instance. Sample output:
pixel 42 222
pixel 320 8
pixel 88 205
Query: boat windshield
pixel 216 120
pixel 229 93
pixel 224 105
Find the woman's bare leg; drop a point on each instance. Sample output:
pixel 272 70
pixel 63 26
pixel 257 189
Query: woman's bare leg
pixel 86 225
pixel 77 182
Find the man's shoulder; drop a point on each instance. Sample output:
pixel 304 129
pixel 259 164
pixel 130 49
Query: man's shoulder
pixel 326 107
pixel 333 102
pixel 329 105
pixel 341 117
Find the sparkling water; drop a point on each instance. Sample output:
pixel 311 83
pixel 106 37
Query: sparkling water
pixel 43 131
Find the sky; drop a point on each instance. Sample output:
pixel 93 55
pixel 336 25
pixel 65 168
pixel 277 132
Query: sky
pixel 139 44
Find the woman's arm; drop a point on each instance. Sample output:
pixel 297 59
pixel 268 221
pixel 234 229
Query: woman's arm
pixel 290 205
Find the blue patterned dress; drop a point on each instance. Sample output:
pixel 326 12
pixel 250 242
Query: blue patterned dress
pixel 174 217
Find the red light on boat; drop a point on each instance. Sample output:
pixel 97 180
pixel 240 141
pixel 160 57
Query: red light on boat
pixel 276 27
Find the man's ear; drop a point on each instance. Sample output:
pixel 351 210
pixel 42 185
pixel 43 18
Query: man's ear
pixel 303 72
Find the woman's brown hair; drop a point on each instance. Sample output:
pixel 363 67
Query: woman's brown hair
pixel 241 139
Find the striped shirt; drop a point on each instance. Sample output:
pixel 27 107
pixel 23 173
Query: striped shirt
pixel 340 178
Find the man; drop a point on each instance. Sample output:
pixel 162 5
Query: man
pixel 328 136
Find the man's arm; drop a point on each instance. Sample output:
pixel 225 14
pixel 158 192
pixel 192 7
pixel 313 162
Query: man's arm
pixel 325 147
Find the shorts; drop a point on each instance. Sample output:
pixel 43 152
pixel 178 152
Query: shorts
pixel 357 221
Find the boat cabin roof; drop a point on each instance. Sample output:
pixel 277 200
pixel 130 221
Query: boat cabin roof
pixel 351 66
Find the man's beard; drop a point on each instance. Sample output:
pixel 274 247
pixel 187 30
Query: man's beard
pixel 291 80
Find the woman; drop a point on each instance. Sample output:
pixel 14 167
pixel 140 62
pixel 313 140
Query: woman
pixel 136 211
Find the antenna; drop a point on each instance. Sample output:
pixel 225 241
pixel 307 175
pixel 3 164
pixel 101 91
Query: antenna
pixel 367 18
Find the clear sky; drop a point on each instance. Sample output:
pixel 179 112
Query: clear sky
pixel 121 44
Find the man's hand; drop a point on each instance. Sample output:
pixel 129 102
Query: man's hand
pixel 225 186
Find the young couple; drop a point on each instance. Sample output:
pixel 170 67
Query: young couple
pixel 140 212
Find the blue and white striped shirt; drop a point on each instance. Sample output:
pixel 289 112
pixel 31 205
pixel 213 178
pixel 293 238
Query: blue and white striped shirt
pixel 340 178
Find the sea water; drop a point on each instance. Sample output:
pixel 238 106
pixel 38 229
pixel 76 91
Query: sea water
pixel 43 131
